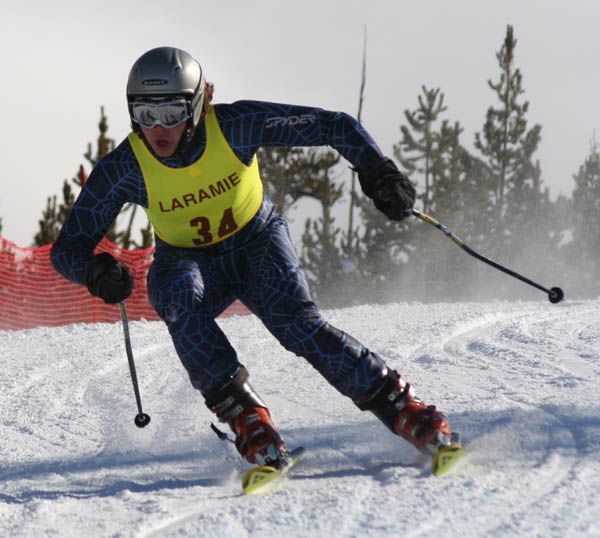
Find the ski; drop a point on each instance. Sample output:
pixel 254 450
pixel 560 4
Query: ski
pixel 266 478
pixel 445 459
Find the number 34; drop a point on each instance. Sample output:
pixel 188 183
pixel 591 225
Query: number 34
pixel 227 225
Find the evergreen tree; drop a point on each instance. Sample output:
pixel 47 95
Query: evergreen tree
pixel 585 245
pixel 147 234
pixel 285 172
pixel 518 229
pixel 565 266
pixel 104 145
pixel 53 217
pixel 431 151
pixel 55 214
pixel 448 166
pixel 290 174
pixel 49 224
pixel 384 247
pixel 477 204
pixel 394 258
pixel 124 237
pixel 441 263
pixel 321 254
pixel 321 259
pixel 507 147
pixel 418 149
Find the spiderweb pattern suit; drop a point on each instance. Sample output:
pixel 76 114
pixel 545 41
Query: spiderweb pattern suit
pixel 258 265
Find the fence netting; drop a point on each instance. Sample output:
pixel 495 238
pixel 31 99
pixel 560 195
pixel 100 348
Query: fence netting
pixel 33 294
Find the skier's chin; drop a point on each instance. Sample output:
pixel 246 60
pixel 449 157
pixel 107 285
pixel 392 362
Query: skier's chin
pixel 163 148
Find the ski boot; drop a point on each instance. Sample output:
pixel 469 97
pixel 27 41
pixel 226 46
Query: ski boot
pixel 256 438
pixel 395 404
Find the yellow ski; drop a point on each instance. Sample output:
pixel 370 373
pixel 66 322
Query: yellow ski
pixel 265 478
pixel 446 458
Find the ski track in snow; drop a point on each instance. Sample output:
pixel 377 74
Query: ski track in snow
pixel 518 380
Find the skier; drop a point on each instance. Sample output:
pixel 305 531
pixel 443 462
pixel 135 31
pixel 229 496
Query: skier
pixel 192 166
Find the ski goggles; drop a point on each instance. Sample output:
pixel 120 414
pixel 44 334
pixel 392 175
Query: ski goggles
pixel 166 113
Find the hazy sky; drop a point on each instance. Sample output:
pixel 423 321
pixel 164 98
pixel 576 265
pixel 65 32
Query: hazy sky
pixel 62 60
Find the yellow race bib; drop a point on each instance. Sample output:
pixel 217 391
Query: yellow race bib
pixel 205 202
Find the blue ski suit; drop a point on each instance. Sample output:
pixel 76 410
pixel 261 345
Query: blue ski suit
pixel 190 287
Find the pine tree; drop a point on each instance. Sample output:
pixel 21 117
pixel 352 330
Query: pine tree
pixel 147 234
pixel 440 261
pixel 321 254
pixel 48 224
pixel 585 246
pixel 565 266
pixel 448 168
pixel 518 230
pixel 55 214
pixel 124 237
pixel 285 171
pixel 419 146
pixel 507 147
pixel 430 150
pixel 384 247
pixel 104 144
pixel 322 260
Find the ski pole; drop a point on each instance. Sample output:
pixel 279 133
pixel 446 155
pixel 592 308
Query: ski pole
pixel 142 419
pixel 555 295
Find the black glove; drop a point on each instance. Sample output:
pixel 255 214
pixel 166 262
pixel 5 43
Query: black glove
pixel 391 191
pixel 108 278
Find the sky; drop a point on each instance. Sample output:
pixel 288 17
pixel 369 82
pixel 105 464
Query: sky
pixel 63 60
pixel 518 380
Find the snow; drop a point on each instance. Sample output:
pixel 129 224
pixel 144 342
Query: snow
pixel 518 379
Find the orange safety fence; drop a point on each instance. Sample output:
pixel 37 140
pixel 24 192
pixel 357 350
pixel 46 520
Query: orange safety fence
pixel 33 294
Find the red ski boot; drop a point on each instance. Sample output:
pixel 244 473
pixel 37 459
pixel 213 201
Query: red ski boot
pixel 257 440
pixel 395 404
pixel 423 426
pixel 256 437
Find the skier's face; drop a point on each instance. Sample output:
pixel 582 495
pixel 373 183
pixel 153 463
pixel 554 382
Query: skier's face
pixel 164 141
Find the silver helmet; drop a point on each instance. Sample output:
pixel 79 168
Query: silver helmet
pixel 167 72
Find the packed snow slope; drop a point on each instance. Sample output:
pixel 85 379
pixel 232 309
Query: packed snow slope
pixel 519 380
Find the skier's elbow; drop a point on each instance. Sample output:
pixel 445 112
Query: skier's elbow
pixel 69 259
pixel 343 120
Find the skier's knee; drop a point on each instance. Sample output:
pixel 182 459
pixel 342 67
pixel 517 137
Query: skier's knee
pixel 175 296
pixel 295 335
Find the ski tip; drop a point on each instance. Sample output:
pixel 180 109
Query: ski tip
pixel 446 458
pixel 259 478
pixel 265 478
